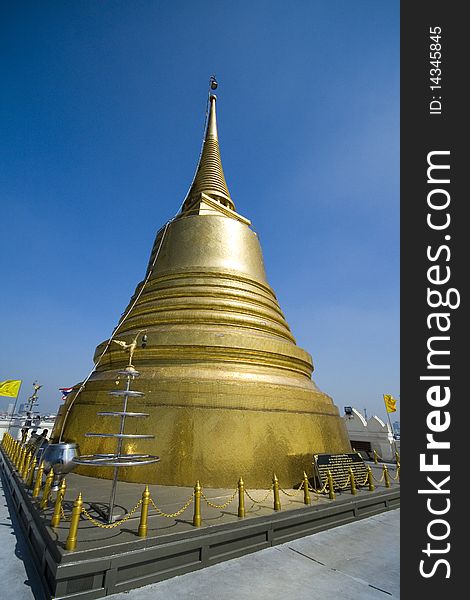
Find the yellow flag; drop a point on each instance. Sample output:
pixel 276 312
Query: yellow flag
pixel 390 403
pixel 10 387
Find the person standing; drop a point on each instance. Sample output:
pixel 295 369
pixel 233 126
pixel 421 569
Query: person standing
pixel 25 428
pixel 36 423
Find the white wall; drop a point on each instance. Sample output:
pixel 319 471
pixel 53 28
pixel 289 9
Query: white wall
pixel 374 431
pixel 17 423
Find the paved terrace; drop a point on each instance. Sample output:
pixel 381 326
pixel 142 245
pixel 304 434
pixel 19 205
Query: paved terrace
pixel 356 561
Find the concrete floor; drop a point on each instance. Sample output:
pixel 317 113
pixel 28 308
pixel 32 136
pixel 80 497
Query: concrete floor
pixel 358 561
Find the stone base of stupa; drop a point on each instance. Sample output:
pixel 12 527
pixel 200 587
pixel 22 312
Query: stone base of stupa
pixel 213 425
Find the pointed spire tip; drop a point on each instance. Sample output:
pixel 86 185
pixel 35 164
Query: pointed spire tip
pixel 209 178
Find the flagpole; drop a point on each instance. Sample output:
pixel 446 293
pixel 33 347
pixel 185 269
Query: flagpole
pixel 14 407
pixel 391 428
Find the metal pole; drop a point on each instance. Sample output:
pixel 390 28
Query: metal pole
pixel 144 512
pixel 118 452
pixel 14 407
pixel 277 502
pixel 71 542
pixel 197 505
pixel 241 498
pixel 32 400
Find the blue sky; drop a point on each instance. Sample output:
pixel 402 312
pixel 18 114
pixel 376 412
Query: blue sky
pixel 102 113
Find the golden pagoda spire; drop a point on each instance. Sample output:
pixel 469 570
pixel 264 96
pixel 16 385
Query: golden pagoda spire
pixel 209 178
pixel 227 389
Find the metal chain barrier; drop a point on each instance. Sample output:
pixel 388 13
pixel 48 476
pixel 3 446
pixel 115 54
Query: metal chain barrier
pixel 369 477
pixel 63 516
pixel 259 501
pixel 111 525
pixel 317 493
pixel 321 490
pixel 296 493
pixel 175 514
pixel 342 487
pixel 378 480
pixel 379 457
pixel 220 505
pixel 362 483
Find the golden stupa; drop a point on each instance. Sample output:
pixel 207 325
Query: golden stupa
pixel 228 391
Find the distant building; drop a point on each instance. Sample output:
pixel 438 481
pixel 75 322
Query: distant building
pixel 370 435
pixel 396 427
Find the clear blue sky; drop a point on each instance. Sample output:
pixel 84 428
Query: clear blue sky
pixel 102 112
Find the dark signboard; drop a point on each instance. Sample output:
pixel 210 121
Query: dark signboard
pixel 339 465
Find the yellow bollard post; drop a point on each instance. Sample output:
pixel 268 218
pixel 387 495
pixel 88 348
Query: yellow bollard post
pixel 241 498
pixel 16 450
pixel 58 504
pixel 197 505
pixel 19 447
pixel 331 487
pixel 353 482
pixel 398 471
pixel 71 542
pixel 397 457
pixel 21 455
pixel 10 448
pixel 386 477
pixel 17 453
pixel 30 476
pixel 16 456
pixel 26 464
pixel 370 480
pixel 277 502
pixel 38 483
pixel 47 490
pixel 23 462
pixel 144 511
pixel 307 499
pixel 375 458
pixel 23 459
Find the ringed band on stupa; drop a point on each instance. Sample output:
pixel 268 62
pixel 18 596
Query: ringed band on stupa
pixel 228 391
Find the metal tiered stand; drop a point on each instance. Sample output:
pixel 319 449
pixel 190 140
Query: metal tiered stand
pixel 118 459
